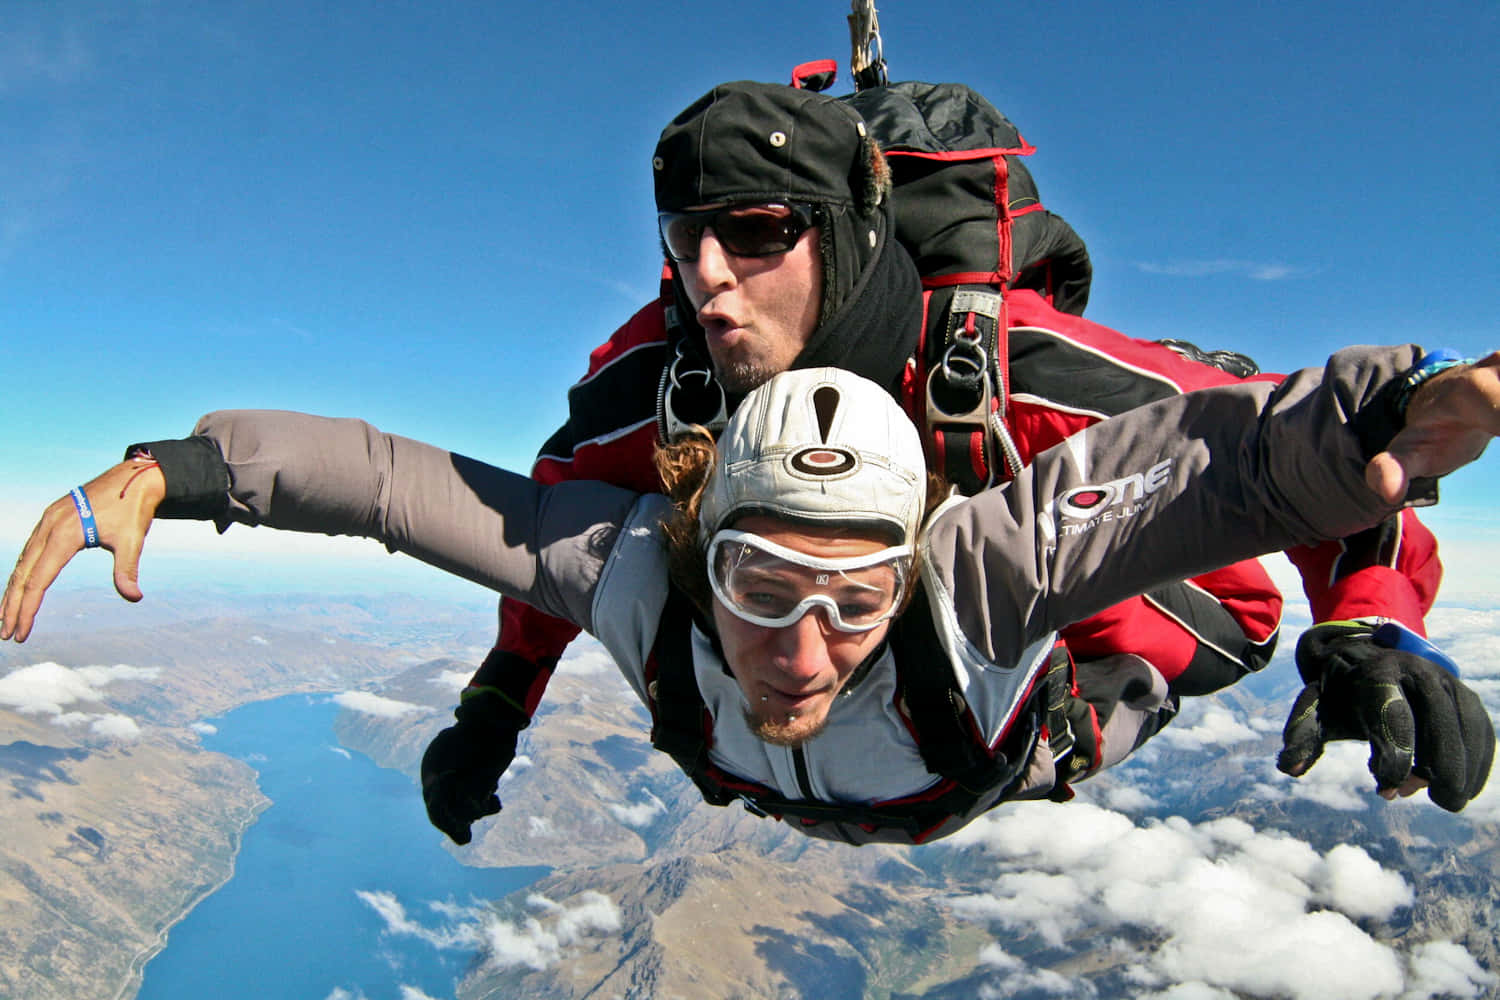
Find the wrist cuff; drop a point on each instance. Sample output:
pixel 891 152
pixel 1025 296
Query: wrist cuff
pixel 491 706
pixel 197 478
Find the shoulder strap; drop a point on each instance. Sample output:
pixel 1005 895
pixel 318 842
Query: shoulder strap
pixel 680 723
pixel 946 732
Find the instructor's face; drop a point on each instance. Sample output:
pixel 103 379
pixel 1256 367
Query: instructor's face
pixel 791 675
pixel 757 312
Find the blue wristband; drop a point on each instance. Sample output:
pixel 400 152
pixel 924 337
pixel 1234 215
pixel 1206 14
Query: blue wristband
pixel 1394 635
pixel 1429 365
pixel 86 518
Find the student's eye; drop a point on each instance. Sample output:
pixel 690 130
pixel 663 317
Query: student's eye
pixel 858 609
pixel 772 603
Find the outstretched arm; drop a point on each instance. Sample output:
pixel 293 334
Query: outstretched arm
pixel 1383 684
pixel 1207 477
pixel 545 545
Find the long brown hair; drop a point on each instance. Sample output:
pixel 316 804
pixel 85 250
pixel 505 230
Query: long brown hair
pixel 685 466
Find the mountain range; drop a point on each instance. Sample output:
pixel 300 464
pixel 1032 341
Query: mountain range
pixel 1193 871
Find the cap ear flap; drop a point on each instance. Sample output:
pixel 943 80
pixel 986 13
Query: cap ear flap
pixel 870 182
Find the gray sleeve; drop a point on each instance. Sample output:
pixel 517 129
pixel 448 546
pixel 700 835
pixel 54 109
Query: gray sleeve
pixel 1167 491
pixel 542 545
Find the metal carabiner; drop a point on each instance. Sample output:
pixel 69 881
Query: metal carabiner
pixel 689 396
pixel 867 58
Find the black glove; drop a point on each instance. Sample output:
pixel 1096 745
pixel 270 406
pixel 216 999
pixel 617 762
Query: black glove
pixel 1410 706
pixel 462 766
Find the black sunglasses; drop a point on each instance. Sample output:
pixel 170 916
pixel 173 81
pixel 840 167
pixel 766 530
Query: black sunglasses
pixel 744 230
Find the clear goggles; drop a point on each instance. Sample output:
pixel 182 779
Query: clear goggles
pixel 744 230
pixel 773 586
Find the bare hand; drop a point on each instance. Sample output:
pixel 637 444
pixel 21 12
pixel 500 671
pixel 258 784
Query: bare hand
pixel 1449 420
pixel 124 500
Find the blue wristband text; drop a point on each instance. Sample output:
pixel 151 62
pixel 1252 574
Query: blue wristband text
pixel 85 517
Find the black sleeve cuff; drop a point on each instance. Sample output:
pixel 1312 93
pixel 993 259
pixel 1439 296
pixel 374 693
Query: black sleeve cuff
pixel 1380 420
pixel 197 478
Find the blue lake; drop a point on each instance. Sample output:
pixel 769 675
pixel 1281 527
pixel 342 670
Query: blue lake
pixel 290 924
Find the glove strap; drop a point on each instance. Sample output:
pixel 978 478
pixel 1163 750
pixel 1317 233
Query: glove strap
pixel 1391 634
pixel 1394 635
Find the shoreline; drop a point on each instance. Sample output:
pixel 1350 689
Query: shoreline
pixel 135 976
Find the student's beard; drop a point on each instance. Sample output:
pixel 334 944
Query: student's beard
pixel 791 733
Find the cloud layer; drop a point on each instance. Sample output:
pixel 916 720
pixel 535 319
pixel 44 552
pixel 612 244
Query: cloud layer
pixel 1257 271
pixel 51 689
pixel 537 941
pixel 1206 908
pixel 376 705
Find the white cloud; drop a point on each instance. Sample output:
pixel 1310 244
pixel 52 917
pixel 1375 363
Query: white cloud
pixel 1339 780
pixel 342 752
pixel 1209 268
pixel 412 993
pixel 539 826
pixel 1051 904
pixel 51 689
pixel 204 728
pixel 1468 635
pixel 538 942
pixel 1485 807
pixel 535 940
pixel 452 680
pixel 1191 991
pixel 260 640
pixel 374 704
pixel 46 688
pixel 66 719
pixel 587 656
pixel 1022 977
pixel 1354 883
pixel 460 930
pixel 115 726
pixel 1443 969
pixel 521 763
pixel 641 813
pixel 1121 797
pixel 1231 909
pixel 1214 725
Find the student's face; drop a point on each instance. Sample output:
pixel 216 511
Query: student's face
pixel 758 312
pixel 791 675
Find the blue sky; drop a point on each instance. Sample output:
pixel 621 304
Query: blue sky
pixel 427 214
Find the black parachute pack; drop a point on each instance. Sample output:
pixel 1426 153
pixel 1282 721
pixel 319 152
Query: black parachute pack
pixel 968 211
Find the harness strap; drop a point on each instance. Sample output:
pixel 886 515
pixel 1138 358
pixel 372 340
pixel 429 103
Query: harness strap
pixel 1073 731
pixel 947 735
pixel 966 348
pixel 680 724
pixel 945 731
